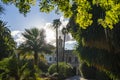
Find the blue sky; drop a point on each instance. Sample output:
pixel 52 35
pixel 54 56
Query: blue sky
pixel 34 18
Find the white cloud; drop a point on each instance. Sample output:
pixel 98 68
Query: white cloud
pixel 70 45
pixel 14 33
pixel 50 33
pixel 64 22
pixel 18 37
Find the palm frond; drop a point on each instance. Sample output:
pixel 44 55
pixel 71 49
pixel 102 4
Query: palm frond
pixel 56 23
pixel 1 9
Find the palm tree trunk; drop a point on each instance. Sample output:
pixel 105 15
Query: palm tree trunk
pixel 57 49
pixel 64 48
pixel 35 57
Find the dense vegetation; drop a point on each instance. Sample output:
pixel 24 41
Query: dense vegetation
pixel 14 63
pixel 95 26
pixel 7 44
pixel 97 46
pixel 65 70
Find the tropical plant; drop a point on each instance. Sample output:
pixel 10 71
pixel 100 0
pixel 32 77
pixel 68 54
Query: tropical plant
pixel 12 68
pixel 1 9
pixel 56 24
pixel 65 70
pixel 7 44
pixel 35 43
pixel 43 66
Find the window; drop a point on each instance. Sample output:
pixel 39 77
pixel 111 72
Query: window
pixel 50 59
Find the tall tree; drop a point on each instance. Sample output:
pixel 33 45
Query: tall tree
pixel 35 42
pixel 56 24
pixel 95 47
pixel 64 32
pixel 7 44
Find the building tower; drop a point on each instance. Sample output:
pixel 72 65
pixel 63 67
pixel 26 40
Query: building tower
pixel 60 49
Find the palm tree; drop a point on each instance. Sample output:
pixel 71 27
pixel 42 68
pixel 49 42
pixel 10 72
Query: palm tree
pixel 64 32
pixel 56 24
pixel 1 9
pixel 35 42
pixel 7 44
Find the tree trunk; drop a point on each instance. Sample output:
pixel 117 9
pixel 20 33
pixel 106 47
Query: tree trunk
pixel 35 57
pixel 64 48
pixel 57 49
pixel 17 77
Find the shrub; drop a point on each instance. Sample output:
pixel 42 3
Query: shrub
pixel 43 66
pixel 87 72
pixel 101 75
pixel 65 70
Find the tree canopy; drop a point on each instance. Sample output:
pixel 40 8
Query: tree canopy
pixel 109 17
pixel 35 42
pixel 7 44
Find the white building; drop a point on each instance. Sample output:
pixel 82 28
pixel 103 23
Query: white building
pixel 69 56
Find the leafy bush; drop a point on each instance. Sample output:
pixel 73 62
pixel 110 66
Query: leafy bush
pixel 18 69
pixel 43 66
pixel 101 75
pixel 65 70
pixel 87 72
pixel 92 73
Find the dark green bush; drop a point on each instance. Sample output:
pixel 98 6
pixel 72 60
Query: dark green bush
pixel 92 73
pixel 65 70
pixel 101 75
pixel 87 72
pixel 43 66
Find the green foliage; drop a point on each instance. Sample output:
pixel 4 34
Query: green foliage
pixel 7 44
pixel 65 70
pixel 8 68
pixel 43 66
pixel 62 5
pixel 1 9
pixel 85 15
pixel 23 5
pixel 35 42
pixel 101 59
pixel 56 23
pixel 18 69
pixel 100 75
pixel 89 72
pixel 97 46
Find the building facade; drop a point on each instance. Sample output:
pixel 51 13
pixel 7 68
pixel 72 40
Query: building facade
pixel 69 56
